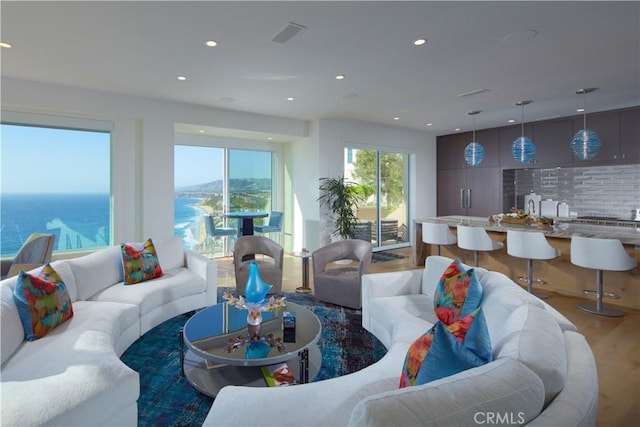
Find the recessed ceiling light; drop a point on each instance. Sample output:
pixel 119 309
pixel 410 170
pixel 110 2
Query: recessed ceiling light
pixel 211 43
pixel 580 110
pixel 227 99
pixel 419 42
pixel 5 45
pixel 396 118
pixel 269 138
pixel 182 78
pixel 457 129
pixel 511 121
pixel 201 131
pixel 290 98
pixel 429 124
pixel 340 77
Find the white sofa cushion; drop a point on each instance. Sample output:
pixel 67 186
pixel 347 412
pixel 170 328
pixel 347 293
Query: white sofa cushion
pixel 149 295
pixel 577 403
pixel 11 332
pixel 72 374
pixel 63 268
pixel 170 253
pixel 532 336
pixel 97 271
pixel 401 318
pixel 504 387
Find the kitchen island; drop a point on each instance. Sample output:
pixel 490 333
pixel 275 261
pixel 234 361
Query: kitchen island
pixel 561 276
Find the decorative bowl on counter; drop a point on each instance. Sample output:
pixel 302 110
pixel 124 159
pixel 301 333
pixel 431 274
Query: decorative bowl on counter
pixel 517 216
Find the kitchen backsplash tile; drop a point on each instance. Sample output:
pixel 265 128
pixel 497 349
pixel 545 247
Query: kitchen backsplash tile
pixel 611 191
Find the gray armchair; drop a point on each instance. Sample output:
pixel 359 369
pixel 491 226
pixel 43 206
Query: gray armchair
pixel 270 268
pixel 35 251
pixel 340 284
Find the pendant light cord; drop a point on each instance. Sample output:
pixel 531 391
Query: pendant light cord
pixel 522 123
pixel 584 111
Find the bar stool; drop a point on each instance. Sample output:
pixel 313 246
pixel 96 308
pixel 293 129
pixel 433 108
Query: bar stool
pixel 600 254
pixel 476 239
pixel 437 234
pixel 530 245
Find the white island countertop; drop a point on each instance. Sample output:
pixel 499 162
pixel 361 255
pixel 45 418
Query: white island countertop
pixel 562 230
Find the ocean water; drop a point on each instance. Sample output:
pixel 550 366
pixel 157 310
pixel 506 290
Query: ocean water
pixel 79 221
pixel 187 219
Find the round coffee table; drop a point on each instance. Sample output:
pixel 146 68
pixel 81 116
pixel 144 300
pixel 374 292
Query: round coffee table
pixel 220 351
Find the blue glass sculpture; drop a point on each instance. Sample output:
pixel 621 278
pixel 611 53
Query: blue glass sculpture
pixel 256 289
pixel 474 154
pixel 586 144
pixel 523 149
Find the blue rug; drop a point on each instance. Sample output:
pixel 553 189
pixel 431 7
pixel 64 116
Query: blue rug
pixel 167 398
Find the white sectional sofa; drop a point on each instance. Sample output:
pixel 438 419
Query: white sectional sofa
pixel 543 373
pixel 73 375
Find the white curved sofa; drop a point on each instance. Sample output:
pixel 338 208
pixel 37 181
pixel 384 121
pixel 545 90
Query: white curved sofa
pixel 543 373
pixel 74 375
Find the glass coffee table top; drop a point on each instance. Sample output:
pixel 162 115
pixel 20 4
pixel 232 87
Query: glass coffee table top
pixel 224 350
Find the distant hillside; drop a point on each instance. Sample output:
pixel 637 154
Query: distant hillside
pixel 239 185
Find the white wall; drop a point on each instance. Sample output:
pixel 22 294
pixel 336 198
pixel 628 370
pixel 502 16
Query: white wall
pixel 143 138
pixel 333 135
pixel 142 144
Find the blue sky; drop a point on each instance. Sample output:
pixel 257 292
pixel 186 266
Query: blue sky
pixel 45 160
pixel 199 165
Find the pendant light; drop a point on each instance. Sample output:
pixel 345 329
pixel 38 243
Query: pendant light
pixel 523 148
pixel 586 143
pixel 474 152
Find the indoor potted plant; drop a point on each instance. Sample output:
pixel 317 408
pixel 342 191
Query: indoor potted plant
pixel 341 198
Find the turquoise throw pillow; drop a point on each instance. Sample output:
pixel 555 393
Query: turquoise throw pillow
pixel 459 340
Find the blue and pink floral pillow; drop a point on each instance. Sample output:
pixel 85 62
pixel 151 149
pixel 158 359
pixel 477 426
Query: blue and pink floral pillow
pixel 140 264
pixel 43 302
pixel 459 340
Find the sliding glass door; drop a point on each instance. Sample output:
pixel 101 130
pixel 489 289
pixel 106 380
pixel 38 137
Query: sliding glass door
pixel 215 181
pixel 383 178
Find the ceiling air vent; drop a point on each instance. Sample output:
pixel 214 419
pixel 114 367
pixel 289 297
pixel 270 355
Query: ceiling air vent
pixel 474 92
pixel 287 32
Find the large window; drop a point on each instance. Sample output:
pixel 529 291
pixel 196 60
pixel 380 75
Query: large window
pixel 215 181
pixel 383 179
pixel 54 180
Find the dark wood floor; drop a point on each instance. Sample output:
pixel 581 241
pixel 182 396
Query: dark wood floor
pixel 615 341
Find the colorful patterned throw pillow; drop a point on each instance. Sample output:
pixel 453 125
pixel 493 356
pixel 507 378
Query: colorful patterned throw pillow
pixel 459 340
pixel 43 302
pixel 140 265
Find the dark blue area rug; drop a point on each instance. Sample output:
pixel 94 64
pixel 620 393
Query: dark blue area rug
pixel 167 398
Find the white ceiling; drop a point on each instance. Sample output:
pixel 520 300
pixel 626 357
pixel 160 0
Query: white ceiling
pixel 139 48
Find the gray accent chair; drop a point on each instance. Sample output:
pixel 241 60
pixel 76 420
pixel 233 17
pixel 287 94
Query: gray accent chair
pixel 341 284
pixel 270 266
pixel 35 251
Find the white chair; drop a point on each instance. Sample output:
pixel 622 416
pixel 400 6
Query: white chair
pixel 476 239
pixel 437 234
pixel 530 245
pixel 600 254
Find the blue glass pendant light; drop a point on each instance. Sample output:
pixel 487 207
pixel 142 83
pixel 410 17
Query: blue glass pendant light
pixel 523 148
pixel 585 143
pixel 474 152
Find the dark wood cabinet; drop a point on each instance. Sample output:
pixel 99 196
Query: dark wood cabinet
pixel 451 150
pixel 469 191
pixel 553 143
pixel 507 135
pixel 630 136
pixel 607 126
